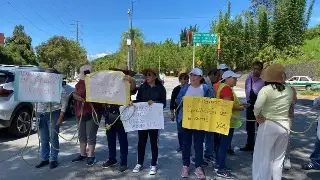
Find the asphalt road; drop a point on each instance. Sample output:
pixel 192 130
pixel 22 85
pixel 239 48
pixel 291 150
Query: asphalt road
pixel 12 167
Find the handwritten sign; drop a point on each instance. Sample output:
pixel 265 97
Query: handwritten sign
pixel 208 114
pixel 107 87
pixel 142 116
pixel 37 87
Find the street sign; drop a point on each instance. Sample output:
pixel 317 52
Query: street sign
pixel 205 38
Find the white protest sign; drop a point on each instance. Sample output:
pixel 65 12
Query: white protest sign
pixel 107 87
pixel 37 87
pixel 142 116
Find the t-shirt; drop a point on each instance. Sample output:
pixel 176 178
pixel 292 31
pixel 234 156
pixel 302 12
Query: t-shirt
pixel 226 92
pixel 192 91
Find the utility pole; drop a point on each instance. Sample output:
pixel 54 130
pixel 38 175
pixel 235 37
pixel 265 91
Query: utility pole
pixel 76 24
pixel 130 38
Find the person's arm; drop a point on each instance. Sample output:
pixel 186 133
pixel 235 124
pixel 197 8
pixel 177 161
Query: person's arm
pixel 261 99
pixel 174 95
pixel 64 105
pixel 294 100
pixel 247 88
pixel 164 97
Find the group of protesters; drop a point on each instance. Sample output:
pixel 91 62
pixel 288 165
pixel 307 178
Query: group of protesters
pixel 269 105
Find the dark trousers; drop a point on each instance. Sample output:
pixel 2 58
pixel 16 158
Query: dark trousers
pixel 198 139
pixel 216 139
pixel 143 137
pixel 179 129
pixel 112 145
pixel 223 145
pixel 250 126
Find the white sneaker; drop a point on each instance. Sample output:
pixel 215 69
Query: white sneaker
pixel 153 170
pixel 137 168
pixel 287 164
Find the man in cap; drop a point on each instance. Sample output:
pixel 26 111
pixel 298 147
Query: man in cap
pixel 111 113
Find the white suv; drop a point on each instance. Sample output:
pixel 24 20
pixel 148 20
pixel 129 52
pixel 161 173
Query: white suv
pixel 14 115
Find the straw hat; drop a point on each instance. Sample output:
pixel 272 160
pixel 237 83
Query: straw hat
pixel 153 70
pixel 273 73
pixel 124 68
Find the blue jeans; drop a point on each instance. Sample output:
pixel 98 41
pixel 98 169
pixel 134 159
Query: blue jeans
pixel 112 145
pixel 315 156
pixel 223 145
pixel 198 138
pixel 48 135
pixel 208 151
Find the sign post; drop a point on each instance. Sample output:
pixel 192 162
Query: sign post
pixel 202 38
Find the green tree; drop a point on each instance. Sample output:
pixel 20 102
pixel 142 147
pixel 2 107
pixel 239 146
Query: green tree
pixel 263 27
pixel 19 46
pixel 62 54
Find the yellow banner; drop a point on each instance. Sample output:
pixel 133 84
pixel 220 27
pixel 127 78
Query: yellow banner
pixel 208 114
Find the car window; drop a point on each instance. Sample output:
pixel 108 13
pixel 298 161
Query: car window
pixel 304 79
pixel 138 76
pixel 5 78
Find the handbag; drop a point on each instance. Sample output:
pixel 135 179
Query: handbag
pixel 111 114
pixel 252 96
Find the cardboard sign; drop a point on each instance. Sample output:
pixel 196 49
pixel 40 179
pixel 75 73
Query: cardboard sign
pixel 107 87
pixel 208 114
pixel 142 116
pixel 37 87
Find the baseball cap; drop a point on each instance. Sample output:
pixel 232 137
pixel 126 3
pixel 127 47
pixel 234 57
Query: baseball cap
pixel 196 71
pixel 229 73
pixel 223 66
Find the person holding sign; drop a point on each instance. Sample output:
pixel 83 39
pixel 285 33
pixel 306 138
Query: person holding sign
pixel 111 114
pixel 272 113
pixel 89 124
pixel 183 79
pixel 195 88
pixel 152 91
pixel 49 127
pixel 225 92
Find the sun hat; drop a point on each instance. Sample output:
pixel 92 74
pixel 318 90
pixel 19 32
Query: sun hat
pixel 84 70
pixel 123 68
pixel 196 71
pixel 153 70
pixel 230 73
pixel 273 73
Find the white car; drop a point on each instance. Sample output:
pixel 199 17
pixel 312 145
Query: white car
pixel 302 82
pixel 16 116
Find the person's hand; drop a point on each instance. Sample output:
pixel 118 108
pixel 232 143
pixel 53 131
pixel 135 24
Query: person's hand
pixel 59 121
pixel 150 102
pixel 172 116
pixel 127 78
pixel 78 98
pixel 130 104
pixel 260 119
pixel 242 107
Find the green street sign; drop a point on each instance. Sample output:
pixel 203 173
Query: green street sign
pixel 204 38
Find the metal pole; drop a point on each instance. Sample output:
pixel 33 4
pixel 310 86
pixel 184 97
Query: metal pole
pixel 194 55
pixel 131 37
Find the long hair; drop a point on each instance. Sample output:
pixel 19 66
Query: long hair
pixel 275 85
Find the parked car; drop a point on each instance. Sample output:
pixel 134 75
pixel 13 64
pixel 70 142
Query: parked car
pixel 302 82
pixel 14 115
pixel 139 79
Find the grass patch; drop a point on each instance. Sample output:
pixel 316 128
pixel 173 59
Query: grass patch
pixel 310 93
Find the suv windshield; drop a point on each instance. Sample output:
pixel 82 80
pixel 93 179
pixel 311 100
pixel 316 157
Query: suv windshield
pixel 6 77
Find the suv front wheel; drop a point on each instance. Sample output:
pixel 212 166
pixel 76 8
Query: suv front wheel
pixel 21 123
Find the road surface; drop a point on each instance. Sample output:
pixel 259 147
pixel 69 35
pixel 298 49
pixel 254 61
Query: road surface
pixel 170 163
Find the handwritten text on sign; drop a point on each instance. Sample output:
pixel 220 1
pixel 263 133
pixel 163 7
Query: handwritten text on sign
pixel 37 87
pixel 142 116
pixel 208 114
pixel 107 87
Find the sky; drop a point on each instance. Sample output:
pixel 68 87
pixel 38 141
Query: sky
pixel 101 22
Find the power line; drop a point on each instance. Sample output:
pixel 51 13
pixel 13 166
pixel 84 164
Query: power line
pixel 57 16
pixel 77 31
pixel 42 17
pixel 27 18
pixel 66 11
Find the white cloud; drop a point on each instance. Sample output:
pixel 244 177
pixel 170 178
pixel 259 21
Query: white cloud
pixel 99 55
pixel 316 19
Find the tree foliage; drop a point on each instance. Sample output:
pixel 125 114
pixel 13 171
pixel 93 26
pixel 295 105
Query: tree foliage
pixel 62 54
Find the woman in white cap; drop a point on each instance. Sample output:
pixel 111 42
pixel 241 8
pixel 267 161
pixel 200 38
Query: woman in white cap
pixel 225 91
pixel 272 113
pixel 88 128
pixel 195 88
